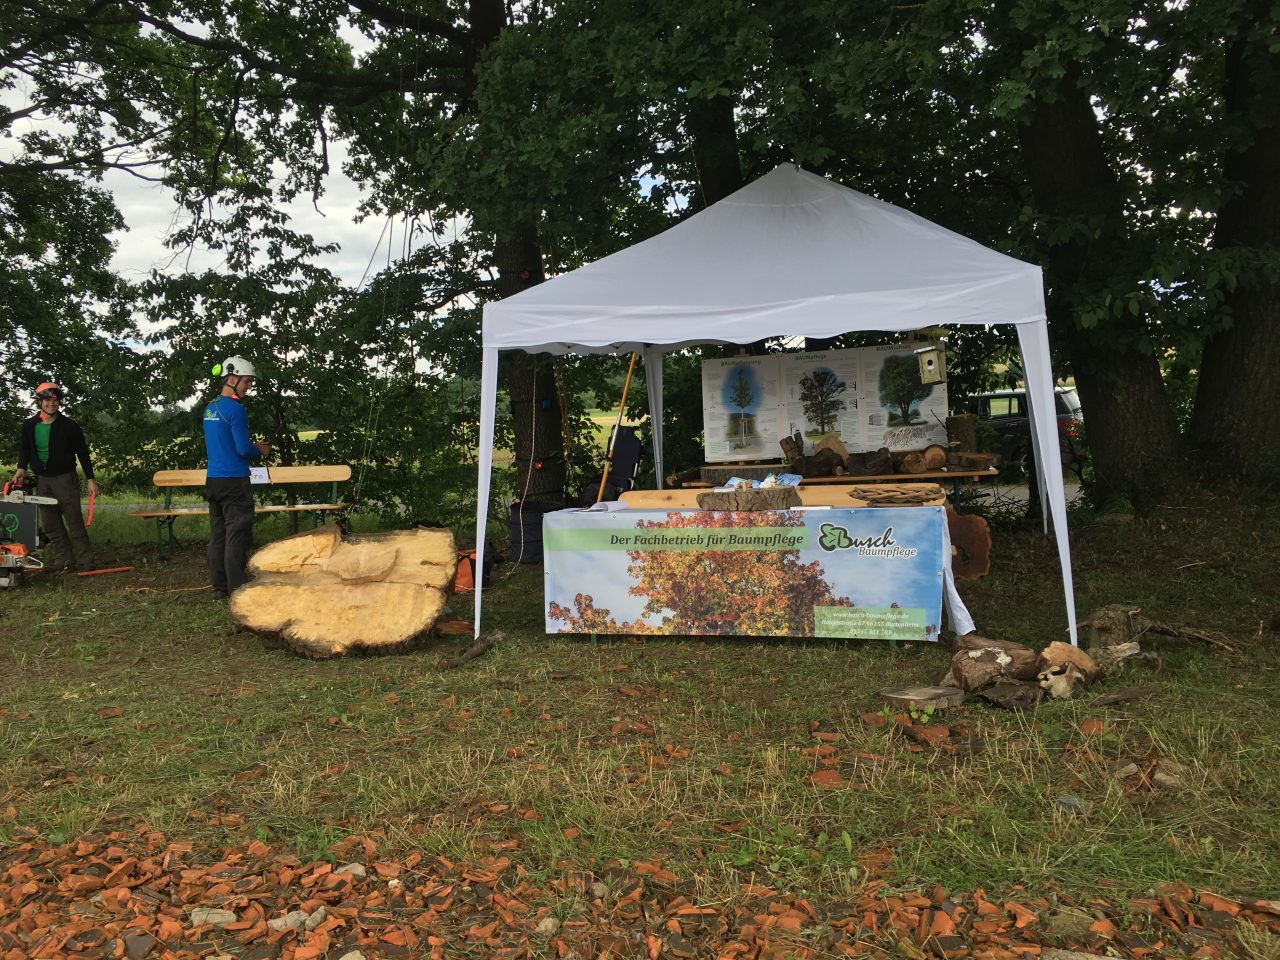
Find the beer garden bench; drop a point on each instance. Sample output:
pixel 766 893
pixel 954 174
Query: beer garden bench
pixel 170 480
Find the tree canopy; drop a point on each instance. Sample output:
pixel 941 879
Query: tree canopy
pixel 1129 149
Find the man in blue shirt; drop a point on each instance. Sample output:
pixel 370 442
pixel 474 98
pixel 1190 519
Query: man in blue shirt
pixel 226 440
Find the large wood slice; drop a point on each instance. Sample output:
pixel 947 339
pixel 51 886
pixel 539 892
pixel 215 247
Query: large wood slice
pixel 970 545
pixel 325 596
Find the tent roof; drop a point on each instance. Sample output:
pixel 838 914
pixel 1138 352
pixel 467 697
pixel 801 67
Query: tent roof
pixel 789 254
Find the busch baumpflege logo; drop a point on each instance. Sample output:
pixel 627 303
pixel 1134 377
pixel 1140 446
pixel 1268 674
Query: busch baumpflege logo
pixel 832 537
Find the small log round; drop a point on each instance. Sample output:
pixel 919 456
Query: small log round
pixel 923 697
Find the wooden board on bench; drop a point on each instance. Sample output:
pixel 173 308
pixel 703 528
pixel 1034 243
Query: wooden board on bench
pixel 258 508
pixel 318 474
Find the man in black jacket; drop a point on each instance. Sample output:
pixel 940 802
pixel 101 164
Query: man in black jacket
pixel 51 444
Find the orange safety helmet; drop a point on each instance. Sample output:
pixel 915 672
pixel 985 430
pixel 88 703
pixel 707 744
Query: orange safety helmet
pixel 49 388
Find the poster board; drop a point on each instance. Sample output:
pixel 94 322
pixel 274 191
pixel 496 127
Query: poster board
pixel 869 397
pixel 856 573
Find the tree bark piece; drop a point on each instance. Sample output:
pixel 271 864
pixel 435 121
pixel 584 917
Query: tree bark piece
pixel 770 498
pixel 1058 654
pixel 1013 695
pixel 921 697
pixel 324 596
pixel 962 428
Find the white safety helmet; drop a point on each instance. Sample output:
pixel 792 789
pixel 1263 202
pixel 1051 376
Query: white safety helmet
pixel 235 367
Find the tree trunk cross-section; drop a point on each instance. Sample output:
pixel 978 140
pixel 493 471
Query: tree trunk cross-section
pixel 324 596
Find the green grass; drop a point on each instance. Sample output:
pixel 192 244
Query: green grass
pixel 682 748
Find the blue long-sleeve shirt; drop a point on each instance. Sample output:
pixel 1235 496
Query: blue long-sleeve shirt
pixel 226 439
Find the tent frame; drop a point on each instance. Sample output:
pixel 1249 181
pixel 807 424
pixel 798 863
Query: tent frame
pixel 574 313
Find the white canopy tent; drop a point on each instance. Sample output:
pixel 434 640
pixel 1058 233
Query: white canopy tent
pixel 791 254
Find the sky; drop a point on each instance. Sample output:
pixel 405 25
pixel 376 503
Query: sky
pixel 149 213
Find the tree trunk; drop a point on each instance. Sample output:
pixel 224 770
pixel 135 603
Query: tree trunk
pixel 1133 433
pixel 535 402
pixel 714 132
pixel 1236 420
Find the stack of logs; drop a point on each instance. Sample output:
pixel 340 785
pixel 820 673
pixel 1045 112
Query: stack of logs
pixel 831 458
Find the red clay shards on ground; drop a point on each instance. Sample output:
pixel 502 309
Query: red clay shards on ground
pixel 142 896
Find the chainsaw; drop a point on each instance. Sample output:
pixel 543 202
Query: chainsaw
pixel 16 494
pixel 14 559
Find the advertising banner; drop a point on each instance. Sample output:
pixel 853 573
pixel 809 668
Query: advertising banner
pixel 868 397
pixel 866 573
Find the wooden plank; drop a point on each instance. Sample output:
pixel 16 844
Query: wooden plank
pixel 178 478
pixel 301 474
pixel 310 474
pixel 266 508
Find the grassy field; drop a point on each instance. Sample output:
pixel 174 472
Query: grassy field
pixel 131 698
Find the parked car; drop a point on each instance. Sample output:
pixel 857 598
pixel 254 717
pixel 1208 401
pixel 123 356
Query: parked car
pixel 1006 412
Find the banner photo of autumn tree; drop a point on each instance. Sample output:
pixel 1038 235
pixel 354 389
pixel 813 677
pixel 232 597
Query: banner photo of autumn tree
pixel 866 573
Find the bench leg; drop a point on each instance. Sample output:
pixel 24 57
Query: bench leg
pixel 164 524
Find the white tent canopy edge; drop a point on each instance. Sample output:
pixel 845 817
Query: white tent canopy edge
pixel 790 254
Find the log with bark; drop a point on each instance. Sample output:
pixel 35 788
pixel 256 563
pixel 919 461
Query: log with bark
pixel 323 595
pixel 962 428
pixel 872 463
pixel 980 662
pixel 751 498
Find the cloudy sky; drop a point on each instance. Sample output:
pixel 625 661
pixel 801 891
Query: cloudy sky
pixel 149 212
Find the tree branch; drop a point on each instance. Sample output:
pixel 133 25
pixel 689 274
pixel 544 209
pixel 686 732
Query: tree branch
pixel 398 18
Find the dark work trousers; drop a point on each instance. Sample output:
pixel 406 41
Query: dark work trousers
pixel 63 524
pixel 230 531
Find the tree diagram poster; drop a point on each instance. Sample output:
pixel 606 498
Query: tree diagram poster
pixel 869 397
pixel 820 397
pixel 865 573
pixel 740 398
pixel 897 410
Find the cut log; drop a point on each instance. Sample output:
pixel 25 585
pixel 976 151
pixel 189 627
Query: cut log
pixel 970 545
pixel 962 428
pixel 324 596
pixel 922 697
pixel 911 462
pixel 935 456
pixel 822 463
pixel 792 447
pixel 871 464
pixel 980 662
pixel 769 498
pixel 719 473
pixel 835 445
pixel 972 461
